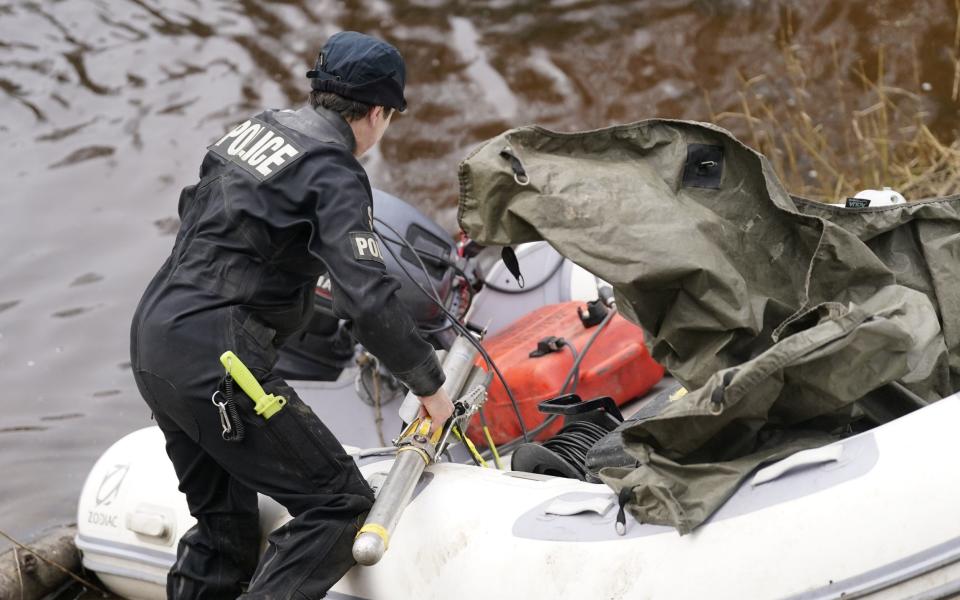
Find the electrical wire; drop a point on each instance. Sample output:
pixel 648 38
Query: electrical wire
pixel 460 328
pixel 572 443
pixel 438 259
pixel 576 365
pixel 435 258
pixel 575 369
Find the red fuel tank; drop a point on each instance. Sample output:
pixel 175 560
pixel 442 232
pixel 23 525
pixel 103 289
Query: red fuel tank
pixel 616 365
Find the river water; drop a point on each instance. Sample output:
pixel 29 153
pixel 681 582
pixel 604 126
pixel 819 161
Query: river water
pixel 106 107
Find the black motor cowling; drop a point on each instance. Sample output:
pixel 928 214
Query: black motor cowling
pixel 324 347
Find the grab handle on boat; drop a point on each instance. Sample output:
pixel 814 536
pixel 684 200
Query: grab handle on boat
pixel 804 458
pixel 150 523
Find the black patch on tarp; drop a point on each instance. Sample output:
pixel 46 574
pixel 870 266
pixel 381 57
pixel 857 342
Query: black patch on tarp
pixel 858 203
pixel 365 246
pixel 704 167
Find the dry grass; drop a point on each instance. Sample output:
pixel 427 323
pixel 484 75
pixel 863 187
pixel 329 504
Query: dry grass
pixel 884 139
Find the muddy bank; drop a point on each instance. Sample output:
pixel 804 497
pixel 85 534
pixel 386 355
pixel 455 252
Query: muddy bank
pixel 32 571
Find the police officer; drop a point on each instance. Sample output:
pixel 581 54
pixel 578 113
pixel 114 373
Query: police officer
pixel 280 200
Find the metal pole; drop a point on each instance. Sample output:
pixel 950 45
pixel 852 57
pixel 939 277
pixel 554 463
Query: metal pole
pixel 394 496
pixel 456 366
pixel 417 450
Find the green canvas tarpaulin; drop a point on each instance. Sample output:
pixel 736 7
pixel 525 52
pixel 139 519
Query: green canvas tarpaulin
pixel 786 319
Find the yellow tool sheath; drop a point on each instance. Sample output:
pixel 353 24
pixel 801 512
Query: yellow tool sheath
pixel 265 405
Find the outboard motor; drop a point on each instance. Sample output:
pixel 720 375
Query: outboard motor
pixel 325 347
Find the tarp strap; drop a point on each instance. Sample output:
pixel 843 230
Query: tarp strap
pixel 626 493
pixel 519 173
pixel 716 396
pixel 509 258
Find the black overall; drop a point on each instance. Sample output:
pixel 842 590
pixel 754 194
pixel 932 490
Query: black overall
pixel 280 199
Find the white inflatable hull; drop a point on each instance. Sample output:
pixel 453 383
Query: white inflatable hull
pixel 872 516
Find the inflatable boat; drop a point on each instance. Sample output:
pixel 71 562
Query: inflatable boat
pixel 872 516
pixel 868 516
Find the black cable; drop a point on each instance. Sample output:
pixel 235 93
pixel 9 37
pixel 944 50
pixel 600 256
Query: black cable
pixel 575 369
pixel 572 443
pixel 576 364
pixel 510 446
pixel 526 288
pixel 463 330
pixel 436 295
pixel 466 280
pixel 436 258
pixel 463 310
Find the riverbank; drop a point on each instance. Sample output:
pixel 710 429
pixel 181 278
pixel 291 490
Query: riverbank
pixel 872 125
pixel 35 570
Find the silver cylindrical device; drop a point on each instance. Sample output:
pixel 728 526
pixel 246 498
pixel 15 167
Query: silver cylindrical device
pixel 398 487
pixel 393 497
pixel 456 365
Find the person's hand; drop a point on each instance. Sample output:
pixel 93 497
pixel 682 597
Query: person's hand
pixel 438 407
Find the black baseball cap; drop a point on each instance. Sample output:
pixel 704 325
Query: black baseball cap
pixel 361 68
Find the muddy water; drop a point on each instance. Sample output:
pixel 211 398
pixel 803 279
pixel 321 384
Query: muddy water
pixel 106 107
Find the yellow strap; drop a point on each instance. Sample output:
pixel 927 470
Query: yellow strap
pixel 423 455
pixel 379 530
pixel 410 429
pixel 473 451
pixel 493 447
pixel 424 427
pixel 469 444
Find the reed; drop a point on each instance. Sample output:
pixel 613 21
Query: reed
pixel 883 138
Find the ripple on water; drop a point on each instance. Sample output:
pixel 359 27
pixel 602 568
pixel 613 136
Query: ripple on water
pixel 83 154
pixel 72 312
pixel 168 225
pixel 86 278
pixel 59 134
pixel 62 417
pixel 8 304
pixel 22 428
